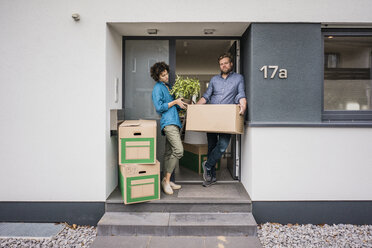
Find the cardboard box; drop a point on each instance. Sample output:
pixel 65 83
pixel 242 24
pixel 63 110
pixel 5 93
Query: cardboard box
pixel 139 182
pixel 215 118
pixel 137 142
pixel 193 157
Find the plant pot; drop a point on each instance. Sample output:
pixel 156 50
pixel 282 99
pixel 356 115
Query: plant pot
pixel 192 137
pixel 187 101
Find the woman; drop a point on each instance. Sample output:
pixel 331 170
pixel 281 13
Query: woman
pixel 170 122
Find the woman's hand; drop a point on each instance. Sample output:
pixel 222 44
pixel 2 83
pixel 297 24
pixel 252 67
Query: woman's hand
pixel 180 103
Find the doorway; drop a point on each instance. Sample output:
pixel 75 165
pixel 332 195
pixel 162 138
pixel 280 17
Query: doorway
pixel 195 58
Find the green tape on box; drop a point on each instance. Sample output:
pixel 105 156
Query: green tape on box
pixel 128 188
pixel 151 160
pixel 145 198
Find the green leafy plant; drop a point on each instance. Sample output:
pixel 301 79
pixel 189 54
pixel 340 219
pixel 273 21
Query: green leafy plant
pixel 185 87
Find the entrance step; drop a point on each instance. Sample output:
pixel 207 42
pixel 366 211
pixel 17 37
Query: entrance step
pixel 192 197
pixel 179 242
pixel 177 224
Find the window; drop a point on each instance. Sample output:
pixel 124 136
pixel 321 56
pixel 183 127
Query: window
pixel 347 76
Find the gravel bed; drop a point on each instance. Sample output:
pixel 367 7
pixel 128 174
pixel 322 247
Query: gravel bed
pixel 270 235
pixel 277 235
pixel 70 236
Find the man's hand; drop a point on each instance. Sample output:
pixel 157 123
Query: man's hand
pixel 202 101
pixel 242 105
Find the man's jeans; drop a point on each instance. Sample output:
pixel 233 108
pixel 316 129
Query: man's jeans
pixel 217 145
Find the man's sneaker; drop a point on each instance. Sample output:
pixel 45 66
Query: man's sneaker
pixel 210 182
pixel 166 187
pixel 174 186
pixel 206 173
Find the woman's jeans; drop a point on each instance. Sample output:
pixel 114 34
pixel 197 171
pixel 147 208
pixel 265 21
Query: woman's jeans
pixel 217 145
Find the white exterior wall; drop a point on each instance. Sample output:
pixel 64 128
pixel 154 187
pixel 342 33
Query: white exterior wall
pixel 52 98
pixel 113 101
pixel 306 164
pixel 55 77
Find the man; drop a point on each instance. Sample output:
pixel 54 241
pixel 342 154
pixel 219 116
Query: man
pixel 226 88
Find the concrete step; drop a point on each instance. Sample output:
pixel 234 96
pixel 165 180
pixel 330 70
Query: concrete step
pixel 179 242
pixel 177 224
pixel 192 197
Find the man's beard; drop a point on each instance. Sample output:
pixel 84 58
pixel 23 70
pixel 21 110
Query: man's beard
pixel 227 71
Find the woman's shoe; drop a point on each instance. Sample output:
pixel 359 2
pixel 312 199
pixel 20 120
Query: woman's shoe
pixel 174 186
pixel 166 187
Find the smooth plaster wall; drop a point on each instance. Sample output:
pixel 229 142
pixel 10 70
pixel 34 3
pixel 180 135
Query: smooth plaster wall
pixel 52 98
pixel 307 164
pixel 54 108
pixel 113 101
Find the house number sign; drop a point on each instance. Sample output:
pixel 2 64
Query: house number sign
pixel 273 69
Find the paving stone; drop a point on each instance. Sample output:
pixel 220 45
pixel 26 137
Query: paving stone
pixel 122 223
pixel 232 242
pixel 30 230
pixel 121 242
pixel 146 218
pixel 179 242
pixel 212 224
pixel 208 219
pixel 176 242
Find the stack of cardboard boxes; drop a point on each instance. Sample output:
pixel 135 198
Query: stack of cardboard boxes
pixel 139 172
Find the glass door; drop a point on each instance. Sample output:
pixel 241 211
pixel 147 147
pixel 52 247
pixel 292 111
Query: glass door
pixel 139 56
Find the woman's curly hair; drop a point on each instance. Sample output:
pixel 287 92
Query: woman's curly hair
pixel 158 68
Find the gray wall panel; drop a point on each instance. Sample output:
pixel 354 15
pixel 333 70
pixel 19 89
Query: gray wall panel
pixel 297 48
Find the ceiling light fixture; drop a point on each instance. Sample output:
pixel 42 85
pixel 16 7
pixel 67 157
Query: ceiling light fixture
pixel 330 37
pixel 209 31
pixel 152 31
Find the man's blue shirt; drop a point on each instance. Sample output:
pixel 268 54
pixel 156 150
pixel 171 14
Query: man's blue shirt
pixel 225 91
pixel 161 97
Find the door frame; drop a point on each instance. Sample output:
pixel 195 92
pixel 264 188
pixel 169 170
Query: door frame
pixel 235 142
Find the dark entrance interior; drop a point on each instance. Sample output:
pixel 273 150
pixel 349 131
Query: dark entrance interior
pixel 197 58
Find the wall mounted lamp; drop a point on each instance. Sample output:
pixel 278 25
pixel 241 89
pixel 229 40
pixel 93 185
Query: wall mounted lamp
pixel 76 17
